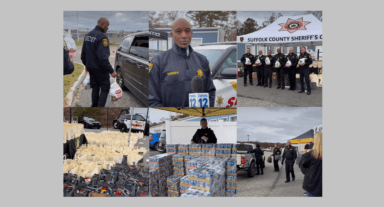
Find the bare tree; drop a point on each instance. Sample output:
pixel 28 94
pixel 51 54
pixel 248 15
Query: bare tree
pixel 317 14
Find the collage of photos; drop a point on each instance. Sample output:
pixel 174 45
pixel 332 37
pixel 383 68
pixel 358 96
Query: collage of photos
pixel 152 106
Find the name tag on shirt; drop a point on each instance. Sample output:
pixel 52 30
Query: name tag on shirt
pixel 198 100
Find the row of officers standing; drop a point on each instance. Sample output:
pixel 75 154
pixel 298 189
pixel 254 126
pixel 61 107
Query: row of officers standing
pixel 265 65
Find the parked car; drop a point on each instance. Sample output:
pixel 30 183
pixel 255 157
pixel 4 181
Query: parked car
pixel 131 65
pixel 162 142
pixel 222 60
pixel 89 122
pixel 138 124
pixel 154 141
pixel 246 159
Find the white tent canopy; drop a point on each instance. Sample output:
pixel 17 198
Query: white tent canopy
pixel 303 30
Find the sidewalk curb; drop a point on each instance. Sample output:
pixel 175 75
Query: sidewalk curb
pixel 72 91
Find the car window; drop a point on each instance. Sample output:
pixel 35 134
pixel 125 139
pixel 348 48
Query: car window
pixel 212 55
pixel 158 135
pixel 243 147
pixel 125 116
pixel 230 62
pixel 139 47
pixel 139 118
pixel 125 44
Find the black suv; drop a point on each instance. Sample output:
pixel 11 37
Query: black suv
pixel 89 122
pixel 131 64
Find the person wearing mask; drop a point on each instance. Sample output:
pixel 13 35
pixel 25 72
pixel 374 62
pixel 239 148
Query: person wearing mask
pixel 259 159
pixel 276 153
pixel 291 70
pixel 248 60
pixel 289 155
pixel 304 70
pixel 204 135
pixel 171 72
pixel 268 70
pixel 312 167
pixel 260 68
pixel 280 70
pixel 95 56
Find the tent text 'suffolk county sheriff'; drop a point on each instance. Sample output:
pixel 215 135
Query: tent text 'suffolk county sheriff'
pixel 201 112
pixel 288 31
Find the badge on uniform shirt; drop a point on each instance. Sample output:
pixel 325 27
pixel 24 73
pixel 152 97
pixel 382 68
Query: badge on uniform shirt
pixel 309 56
pixel 209 66
pixel 105 42
pixel 281 57
pixel 150 66
pixel 297 57
pixel 200 72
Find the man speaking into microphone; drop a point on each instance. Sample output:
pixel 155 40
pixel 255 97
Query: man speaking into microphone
pixel 176 73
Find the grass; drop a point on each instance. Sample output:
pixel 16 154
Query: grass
pixel 80 43
pixel 70 79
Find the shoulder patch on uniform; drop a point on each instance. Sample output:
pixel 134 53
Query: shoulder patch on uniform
pixel 297 56
pixel 105 42
pixel 209 66
pixel 200 72
pixel 150 66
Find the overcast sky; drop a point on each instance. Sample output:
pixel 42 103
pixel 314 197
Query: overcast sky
pixel 261 16
pixel 118 20
pixel 155 115
pixel 276 124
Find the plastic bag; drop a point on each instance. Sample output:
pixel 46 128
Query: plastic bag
pixel 257 61
pixel 269 159
pixel 247 61
pixel 87 83
pixel 115 92
pixel 277 64
pixel 288 64
pixel 267 61
pixel 302 60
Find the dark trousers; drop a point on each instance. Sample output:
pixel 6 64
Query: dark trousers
pixel 280 72
pixel 292 78
pixel 276 164
pixel 268 75
pixel 260 76
pixel 248 71
pixel 304 74
pixel 259 168
pixel 100 89
pixel 289 169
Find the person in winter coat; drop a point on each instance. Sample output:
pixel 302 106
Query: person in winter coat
pixel 259 159
pixel 312 168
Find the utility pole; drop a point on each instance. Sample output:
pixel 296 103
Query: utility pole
pixel 248 137
pixel 77 22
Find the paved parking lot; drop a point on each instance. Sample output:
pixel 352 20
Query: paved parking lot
pixel 270 184
pixel 271 97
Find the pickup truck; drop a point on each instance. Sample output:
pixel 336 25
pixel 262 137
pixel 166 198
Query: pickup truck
pixel 246 159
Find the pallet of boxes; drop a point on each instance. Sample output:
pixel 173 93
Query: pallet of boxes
pixel 198 170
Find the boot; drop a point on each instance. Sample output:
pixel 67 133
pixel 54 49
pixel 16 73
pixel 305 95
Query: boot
pixel 251 84
pixel 278 87
pixel 309 93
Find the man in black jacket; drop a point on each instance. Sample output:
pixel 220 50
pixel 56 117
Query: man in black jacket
pixel 260 68
pixel 248 66
pixel 291 70
pixel 95 56
pixel 259 159
pixel 268 70
pixel 276 152
pixel 304 70
pixel 289 155
pixel 280 70
pixel 204 135
pixel 68 65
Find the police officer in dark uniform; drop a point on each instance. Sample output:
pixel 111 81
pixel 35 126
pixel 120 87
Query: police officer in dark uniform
pixel 268 70
pixel 95 56
pixel 304 70
pixel 171 72
pixel 68 65
pixel 259 159
pixel 276 152
pixel 260 68
pixel 280 71
pixel 289 155
pixel 292 69
pixel 248 66
pixel 204 135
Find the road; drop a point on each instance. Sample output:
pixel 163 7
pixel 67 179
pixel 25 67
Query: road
pixel 140 143
pixel 154 152
pixel 83 98
pixel 271 97
pixel 270 184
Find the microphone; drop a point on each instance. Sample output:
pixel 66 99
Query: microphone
pixel 197 84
